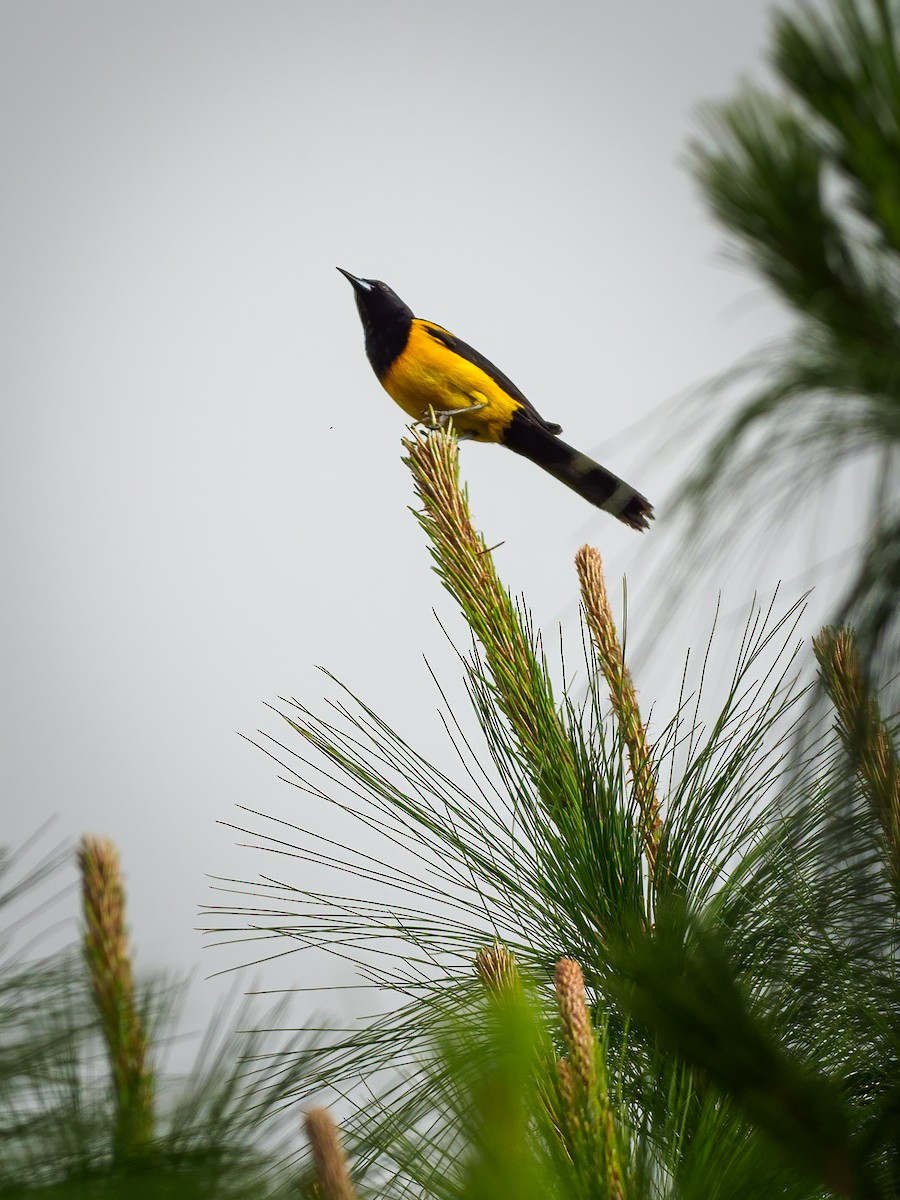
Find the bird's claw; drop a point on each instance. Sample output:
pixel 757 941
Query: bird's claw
pixel 432 420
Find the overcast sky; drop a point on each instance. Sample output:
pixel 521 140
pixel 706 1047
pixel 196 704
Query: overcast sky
pixel 202 490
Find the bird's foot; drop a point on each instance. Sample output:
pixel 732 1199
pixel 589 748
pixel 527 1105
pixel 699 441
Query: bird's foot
pixel 432 420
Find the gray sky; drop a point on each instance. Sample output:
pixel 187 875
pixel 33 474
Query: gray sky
pixel 202 489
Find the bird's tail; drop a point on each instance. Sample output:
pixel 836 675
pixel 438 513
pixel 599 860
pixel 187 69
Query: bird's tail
pixel 579 472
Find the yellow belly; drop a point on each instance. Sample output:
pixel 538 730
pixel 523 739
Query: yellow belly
pixel 428 375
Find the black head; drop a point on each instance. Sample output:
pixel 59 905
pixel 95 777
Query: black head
pixel 385 319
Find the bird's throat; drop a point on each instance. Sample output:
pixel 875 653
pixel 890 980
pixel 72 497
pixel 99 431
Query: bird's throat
pixel 386 339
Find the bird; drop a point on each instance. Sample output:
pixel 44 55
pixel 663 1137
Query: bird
pixel 435 377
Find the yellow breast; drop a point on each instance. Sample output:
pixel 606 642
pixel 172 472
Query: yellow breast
pixel 429 375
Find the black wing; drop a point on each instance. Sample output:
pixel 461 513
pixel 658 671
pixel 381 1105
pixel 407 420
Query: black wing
pixel 464 350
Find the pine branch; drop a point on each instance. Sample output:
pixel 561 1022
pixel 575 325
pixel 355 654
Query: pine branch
pixel 463 562
pixel 864 735
pixel 112 982
pixel 584 1088
pixel 806 183
pixel 328 1155
pixel 621 693
pixel 497 969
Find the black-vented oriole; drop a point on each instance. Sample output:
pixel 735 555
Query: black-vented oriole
pixel 433 376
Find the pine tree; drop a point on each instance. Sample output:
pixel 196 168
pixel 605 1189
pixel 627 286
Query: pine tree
pixel 622 965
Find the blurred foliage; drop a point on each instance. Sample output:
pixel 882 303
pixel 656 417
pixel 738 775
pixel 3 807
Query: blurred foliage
pixel 806 182
pixel 216 1132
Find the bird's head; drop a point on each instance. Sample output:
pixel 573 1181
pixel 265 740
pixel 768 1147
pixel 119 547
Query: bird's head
pixel 377 303
pixel 385 319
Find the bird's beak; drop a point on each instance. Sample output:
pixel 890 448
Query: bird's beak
pixel 361 286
